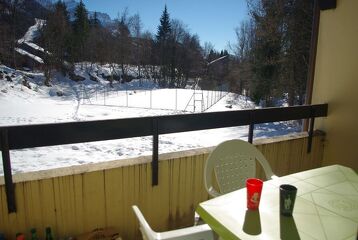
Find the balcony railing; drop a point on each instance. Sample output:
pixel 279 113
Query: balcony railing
pixel 29 136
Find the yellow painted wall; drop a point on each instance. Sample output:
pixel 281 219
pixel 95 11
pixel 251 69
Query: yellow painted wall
pixel 336 82
pixel 88 197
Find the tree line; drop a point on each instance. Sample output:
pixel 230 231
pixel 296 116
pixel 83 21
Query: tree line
pixel 171 57
pixel 269 58
pixel 272 50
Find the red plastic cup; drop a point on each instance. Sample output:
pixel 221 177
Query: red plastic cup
pixel 254 188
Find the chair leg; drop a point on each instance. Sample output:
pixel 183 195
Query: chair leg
pixel 198 220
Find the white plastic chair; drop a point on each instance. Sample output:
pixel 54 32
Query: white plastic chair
pixel 233 162
pixel 201 232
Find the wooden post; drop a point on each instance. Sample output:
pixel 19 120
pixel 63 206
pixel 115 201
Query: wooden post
pixel 9 186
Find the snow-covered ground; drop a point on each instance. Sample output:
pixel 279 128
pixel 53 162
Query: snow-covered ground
pixel 20 105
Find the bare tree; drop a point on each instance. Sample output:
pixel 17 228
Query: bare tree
pixel 122 43
pixel 147 55
pixel 135 29
pixel 208 47
pixel 242 69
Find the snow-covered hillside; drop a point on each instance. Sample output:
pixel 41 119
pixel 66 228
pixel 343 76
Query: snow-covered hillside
pixel 65 101
pixel 33 31
pixel 26 45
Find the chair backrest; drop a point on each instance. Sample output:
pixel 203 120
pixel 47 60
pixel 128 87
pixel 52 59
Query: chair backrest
pixel 233 162
pixel 200 232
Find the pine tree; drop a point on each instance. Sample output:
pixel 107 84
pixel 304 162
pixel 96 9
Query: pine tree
pixel 5 36
pixel 80 32
pixel 266 49
pixel 297 35
pixel 56 39
pixel 94 22
pixel 164 29
pixel 277 49
pixel 61 8
pixel 163 46
pixel 97 43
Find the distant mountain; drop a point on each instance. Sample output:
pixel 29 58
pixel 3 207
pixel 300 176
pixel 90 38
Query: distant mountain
pixel 26 12
pixel 104 18
pixel 71 4
pixel 45 3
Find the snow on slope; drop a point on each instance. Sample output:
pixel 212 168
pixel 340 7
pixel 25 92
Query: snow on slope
pixel 40 104
pixel 23 52
pixel 31 34
pixel 33 31
pixel 35 46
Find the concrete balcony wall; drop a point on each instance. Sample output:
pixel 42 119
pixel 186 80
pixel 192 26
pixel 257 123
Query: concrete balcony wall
pixel 79 199
pixel 335 82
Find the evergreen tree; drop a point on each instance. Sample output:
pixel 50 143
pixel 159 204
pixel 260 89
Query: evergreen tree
pixel 98 42
pixel 94 22
pixel 80 32
pixel 164 29
pixel 163 47
pixel 55 36
pixel 61 9
pixel 5 36
pixel 268 19
pixel 273 50
pixel 295 54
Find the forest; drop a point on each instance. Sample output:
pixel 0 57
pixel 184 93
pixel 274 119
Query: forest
pixel 269 59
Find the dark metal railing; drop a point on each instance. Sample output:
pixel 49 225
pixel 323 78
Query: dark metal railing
pixel 29 136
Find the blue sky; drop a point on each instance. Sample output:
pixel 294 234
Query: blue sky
pixel 213 20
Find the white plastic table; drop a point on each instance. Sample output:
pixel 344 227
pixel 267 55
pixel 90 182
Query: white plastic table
pixel 326 208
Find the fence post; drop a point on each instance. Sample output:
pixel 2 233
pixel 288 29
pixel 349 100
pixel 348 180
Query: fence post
pixel 126 95
pixel 176 99
pixel 9 185
pixel 211 99
pixel 83 93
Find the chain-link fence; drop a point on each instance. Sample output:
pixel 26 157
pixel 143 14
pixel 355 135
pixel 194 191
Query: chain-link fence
pixel 191 100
